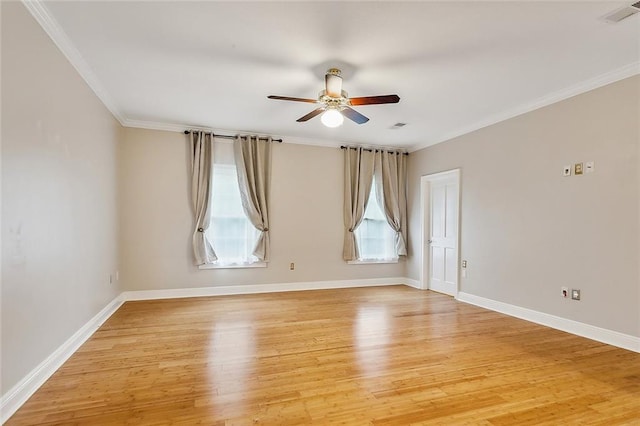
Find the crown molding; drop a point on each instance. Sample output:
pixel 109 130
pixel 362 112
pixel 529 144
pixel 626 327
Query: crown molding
pixel 569 92
pixel 566 93
pixel 295 140
pixel 166 127
pixel 41 14
pixel 175 127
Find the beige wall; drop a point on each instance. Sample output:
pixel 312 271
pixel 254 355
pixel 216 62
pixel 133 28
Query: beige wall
pixel 526 230
pixel 306 218
pixel 58 198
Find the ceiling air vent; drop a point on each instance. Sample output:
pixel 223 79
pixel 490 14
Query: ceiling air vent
pixel 623 13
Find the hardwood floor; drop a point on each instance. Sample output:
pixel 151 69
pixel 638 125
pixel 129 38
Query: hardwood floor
pixel 381 356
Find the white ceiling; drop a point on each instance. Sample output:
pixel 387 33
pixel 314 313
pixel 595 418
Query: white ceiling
pixel 457 66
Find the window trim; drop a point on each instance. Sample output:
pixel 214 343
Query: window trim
pixel 234 266
pixel 227 170
pixel 373 198
pixel 372 261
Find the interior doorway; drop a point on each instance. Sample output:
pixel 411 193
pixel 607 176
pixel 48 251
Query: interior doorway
pixel 440 201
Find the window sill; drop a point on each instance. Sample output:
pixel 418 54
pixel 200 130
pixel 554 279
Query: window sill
pixel 367 262
pixel 236 266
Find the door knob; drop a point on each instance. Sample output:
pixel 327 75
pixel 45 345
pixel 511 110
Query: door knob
pixel 429 242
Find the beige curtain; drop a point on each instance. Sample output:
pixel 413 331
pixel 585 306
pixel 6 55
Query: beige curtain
pixel 253 165
pixel 391 191
pixel 358 175
pixel 201 162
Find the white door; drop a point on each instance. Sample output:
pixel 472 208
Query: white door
pixel 442 234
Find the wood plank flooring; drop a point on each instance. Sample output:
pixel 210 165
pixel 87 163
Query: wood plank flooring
pixel 367 356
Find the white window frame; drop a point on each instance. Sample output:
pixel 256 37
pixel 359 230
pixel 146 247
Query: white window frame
pixel 372 261
pixel 258 264
pixel 224 158
pixel 373 199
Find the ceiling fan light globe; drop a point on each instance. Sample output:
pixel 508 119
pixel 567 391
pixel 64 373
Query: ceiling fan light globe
pixel 332 118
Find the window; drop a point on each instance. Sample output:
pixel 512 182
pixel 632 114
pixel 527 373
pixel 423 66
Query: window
pixel 231 233
pixel 376 239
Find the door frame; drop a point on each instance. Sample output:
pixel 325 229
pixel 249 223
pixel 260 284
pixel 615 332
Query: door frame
pixel 425 224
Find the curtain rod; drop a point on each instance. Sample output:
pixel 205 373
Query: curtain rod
pixel 186 132
pixel 374 150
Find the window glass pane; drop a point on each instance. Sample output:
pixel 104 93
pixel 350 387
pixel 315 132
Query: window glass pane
pixel 374 235
pixel 231 233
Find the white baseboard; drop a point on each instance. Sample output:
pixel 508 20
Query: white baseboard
pixel 603 335
pixel 18 394
pixel 13 399
pixel 259 288
pixel 412 283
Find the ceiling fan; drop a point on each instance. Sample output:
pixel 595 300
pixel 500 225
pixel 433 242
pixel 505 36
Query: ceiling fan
pixel 336 103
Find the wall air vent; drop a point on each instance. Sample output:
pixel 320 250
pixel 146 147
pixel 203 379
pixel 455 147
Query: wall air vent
pixel 623 13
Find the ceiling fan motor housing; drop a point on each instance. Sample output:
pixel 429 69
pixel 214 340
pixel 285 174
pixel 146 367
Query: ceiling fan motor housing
pixel 326 99
pixel 335 100
pixel 333 82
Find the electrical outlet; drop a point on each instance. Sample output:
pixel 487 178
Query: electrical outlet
pixel 575 294
pixel 565 292
pixel 577 169
pixel 566 171
pixel 464 263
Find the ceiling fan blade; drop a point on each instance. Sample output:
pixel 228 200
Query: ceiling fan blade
pixel 287 98
pixel 374 100
pixel 354 115
pixel 312 114
pixel 333 83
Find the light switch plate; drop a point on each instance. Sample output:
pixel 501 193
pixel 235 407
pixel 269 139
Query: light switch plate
pixel 566 171
pixel 575 294
pixel 589 167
